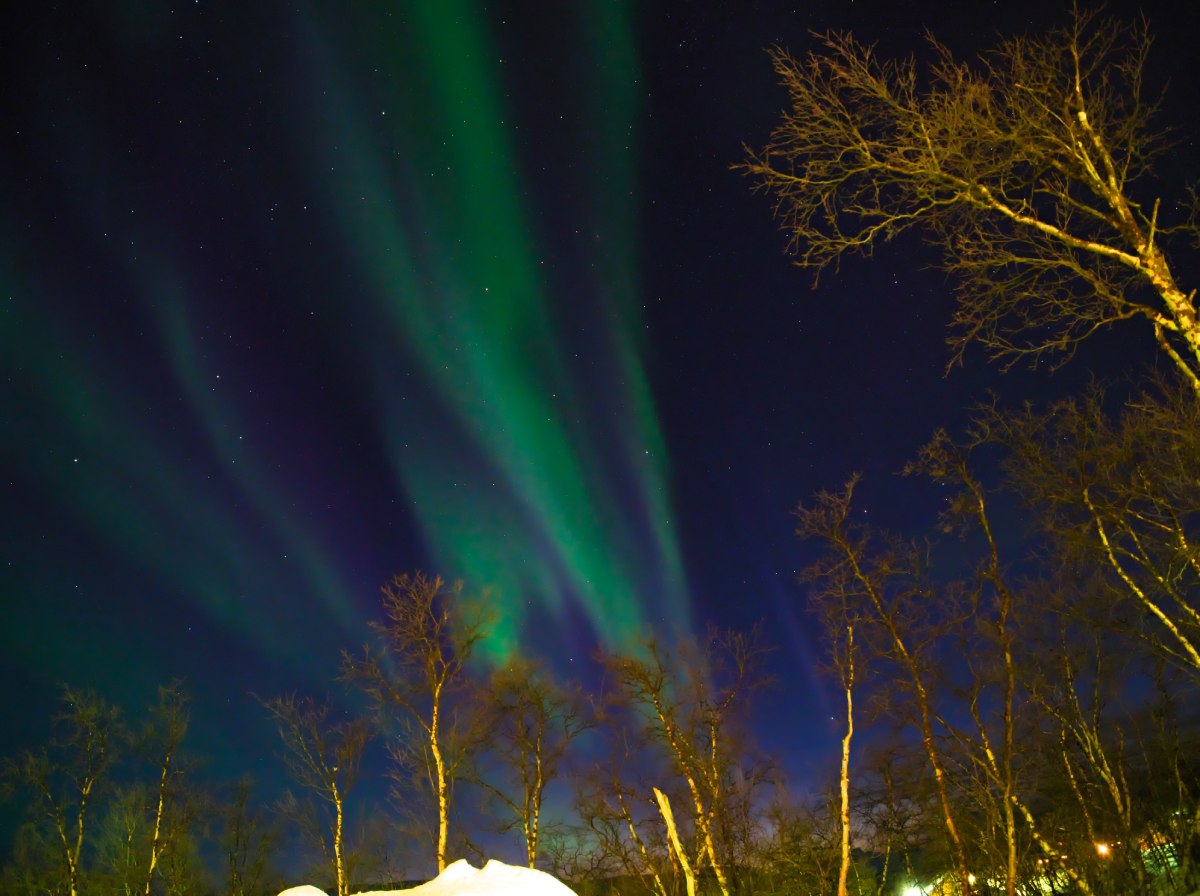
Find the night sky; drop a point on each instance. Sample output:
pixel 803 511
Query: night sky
pixel 297 297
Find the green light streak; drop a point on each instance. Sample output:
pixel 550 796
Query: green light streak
pixel 105 465
pixel 514 493
pixel 105 468
pixel 222 422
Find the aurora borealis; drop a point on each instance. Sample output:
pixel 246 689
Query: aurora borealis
pixel 529 459
pixel 294 298
pixel 543 475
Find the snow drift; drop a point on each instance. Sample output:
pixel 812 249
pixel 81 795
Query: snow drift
pixel 463 879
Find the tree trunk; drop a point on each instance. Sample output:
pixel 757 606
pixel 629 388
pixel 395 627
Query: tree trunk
pixel 439 770
pixel 534 810
pixel 689 873
pixel 343 886
pixel 926 721
pixel 844 870
pixel 156 846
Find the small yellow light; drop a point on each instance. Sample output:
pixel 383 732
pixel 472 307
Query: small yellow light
pixel 971 879
pixel 1102 849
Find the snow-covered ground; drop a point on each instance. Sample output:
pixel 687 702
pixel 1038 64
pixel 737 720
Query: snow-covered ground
pixel 463 879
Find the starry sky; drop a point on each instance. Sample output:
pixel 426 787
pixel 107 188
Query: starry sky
pixel 294 297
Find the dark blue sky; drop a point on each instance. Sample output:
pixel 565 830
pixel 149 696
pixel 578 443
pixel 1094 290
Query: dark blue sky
pixel 249 372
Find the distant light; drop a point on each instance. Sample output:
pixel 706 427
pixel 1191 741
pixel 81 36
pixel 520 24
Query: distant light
pixel 1102 849
pixel 971 879
pixel 912 890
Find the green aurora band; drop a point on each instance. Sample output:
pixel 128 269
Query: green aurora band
pixel 135 486
pixel 501 358
pixel 512 490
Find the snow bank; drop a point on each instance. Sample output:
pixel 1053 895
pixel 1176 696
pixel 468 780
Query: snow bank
pixel 463 879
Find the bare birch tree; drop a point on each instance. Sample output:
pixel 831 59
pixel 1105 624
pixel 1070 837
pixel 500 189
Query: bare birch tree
pixel 831 599
pixel 246 840
pixel 688 700
pixel 428 635
pixel 1121 492
pixel 68 776
pixel 526 723
pixel 1028 168
pixel 994 605
pixel 323 757
pixel 621 819
pixel 882 578
pixel 165 732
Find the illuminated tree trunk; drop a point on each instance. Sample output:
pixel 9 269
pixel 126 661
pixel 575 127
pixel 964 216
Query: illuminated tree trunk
pixel 844 870
pixel 171 723
pixel 91 726
pixel 71 850
pixel 926 727
pixel 339 862
pixel 849 576
pixel 660 886
pixel 533 808
pixel 429 634
pixel 439 768
pixel 715 797
pixel 525 721
pixel 683 700
pixel 324 758
pixel 703 815
pixel 156 844
pixel 1186 644
pixel 1053 856
pixel 689 872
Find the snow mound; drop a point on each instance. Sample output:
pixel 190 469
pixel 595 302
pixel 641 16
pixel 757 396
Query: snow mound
pixel 463 879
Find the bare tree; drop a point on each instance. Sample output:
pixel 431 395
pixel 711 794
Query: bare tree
pixel 1117 495
pixel 614 800
pixel 804 852
pixel 1028 169
pixel 323 758
pixel 573 854
pixel 889 811
pixel 183 871
pixel 882 578
pixel 428 635
pixel 993 603
pixel 32 868
pixel 1121 492
pixel 246 839
pixel 837 613
pixel 119 842
pixel 987 664
pixel 67 777
pixel 165 732
pixel 688 700
pixel 527 722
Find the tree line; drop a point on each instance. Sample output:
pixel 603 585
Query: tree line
pixel 1047 683
pixel 114 810
pixel 1020 714
pixel 1018 685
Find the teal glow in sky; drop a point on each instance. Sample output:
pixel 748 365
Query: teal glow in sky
pixel 539 472
pixel 361 304
pixel 297 297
